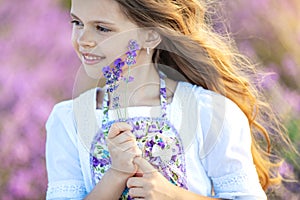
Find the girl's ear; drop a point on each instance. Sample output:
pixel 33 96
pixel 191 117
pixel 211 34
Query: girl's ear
pixel 152 39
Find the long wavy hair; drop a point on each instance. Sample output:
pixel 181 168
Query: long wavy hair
pixel 208 59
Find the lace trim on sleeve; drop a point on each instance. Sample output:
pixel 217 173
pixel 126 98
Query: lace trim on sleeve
pixel 230 181
pixel 66 189
pixel 242 184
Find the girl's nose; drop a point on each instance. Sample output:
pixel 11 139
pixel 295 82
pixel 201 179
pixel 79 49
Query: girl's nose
pixel 86 40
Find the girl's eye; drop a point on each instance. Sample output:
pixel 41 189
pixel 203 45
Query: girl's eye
pixel 103 29
pixel 76 23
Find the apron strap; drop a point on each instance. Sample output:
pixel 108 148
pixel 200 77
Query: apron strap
pixel 84 112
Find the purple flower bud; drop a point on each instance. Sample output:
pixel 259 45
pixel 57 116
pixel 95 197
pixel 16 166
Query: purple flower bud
pixel 130 79
pixel 133 45
pixel 117 61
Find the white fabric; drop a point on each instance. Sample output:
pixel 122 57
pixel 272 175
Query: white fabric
pixel 216 139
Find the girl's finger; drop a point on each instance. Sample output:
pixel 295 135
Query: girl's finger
pixel 123 137
pixel 128 145
pixel 135 182
pixel 144 166
pixel 137 192
pixel 136 152
pixel 117 128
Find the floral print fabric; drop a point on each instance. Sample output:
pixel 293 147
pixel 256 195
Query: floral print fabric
pixel 156 137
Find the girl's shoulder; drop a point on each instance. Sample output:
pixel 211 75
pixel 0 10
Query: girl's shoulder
pixel 62 111
pixel 215 113
pixel 63 106
pixel 206 100
pixel 69 107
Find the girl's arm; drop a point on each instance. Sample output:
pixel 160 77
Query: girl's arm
pixel 185 194
pixel 65 175
pixel 152 185
pixel 110 187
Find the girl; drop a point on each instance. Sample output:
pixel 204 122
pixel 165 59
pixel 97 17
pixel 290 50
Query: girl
pixel 173 115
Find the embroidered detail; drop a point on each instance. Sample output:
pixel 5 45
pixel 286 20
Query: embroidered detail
pixel 239 184
pixel 66 189
pixel 234 181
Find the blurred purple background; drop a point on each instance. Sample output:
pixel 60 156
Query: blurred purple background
pixel 38 69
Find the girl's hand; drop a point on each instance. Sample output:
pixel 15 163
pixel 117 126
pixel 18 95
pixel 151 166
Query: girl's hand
pixel 151 185
pixel 123 148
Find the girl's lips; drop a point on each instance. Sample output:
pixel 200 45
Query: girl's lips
pixel 91 59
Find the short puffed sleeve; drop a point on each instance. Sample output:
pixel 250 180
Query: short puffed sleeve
pixel 228 160
pixel 65 179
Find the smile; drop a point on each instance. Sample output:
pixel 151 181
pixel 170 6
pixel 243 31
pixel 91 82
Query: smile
pixel 91 59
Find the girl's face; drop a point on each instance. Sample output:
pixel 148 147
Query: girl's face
pixel 101 33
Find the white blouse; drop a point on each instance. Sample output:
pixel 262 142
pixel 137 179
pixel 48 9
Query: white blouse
pixel 214 131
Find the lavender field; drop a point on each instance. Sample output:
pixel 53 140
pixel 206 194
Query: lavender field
pixel 38 69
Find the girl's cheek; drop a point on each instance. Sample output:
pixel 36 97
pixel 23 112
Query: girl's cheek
pixel 74 40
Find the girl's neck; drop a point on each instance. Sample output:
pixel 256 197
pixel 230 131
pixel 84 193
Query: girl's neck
pixel 144 89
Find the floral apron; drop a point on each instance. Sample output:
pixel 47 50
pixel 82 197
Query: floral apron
pixel 156 137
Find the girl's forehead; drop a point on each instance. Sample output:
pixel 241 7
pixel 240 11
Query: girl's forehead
pixel 95 10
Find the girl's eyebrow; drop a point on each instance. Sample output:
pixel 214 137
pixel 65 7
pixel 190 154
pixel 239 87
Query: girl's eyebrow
pixel 96 21
pixel 73 15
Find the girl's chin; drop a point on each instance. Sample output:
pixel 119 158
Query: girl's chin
pixel 94 72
